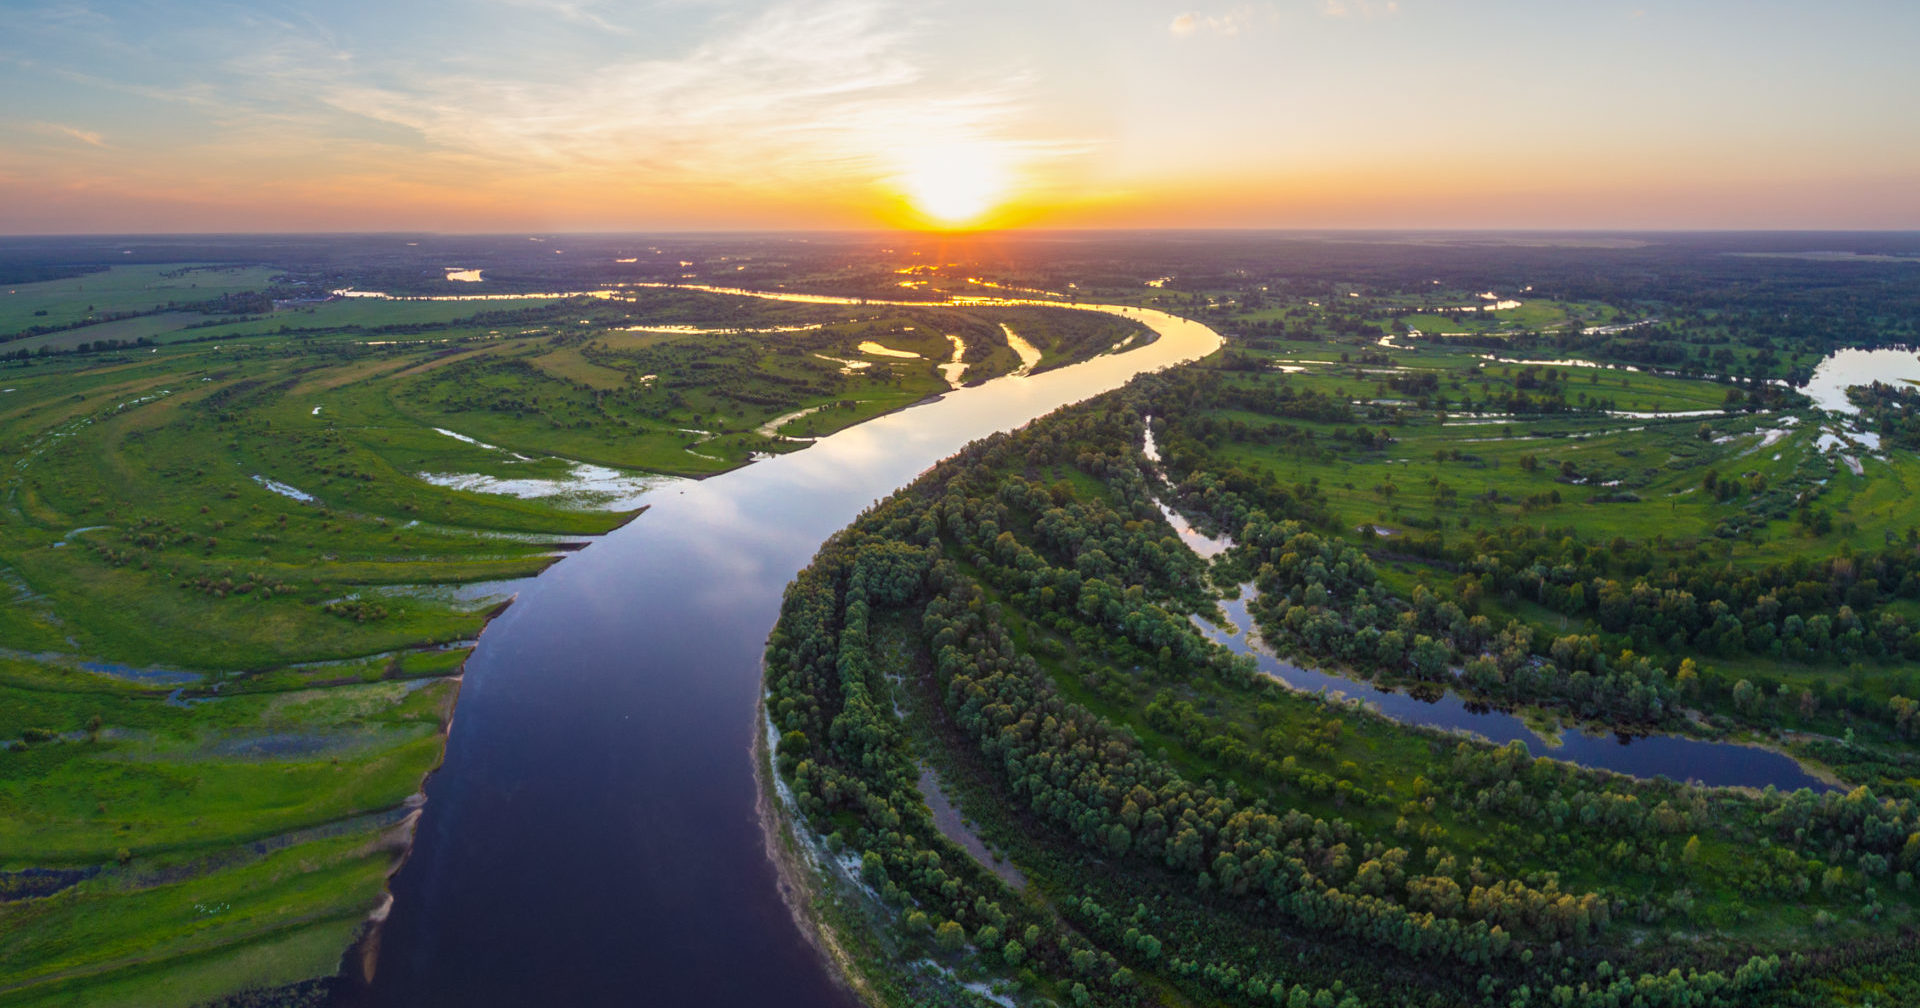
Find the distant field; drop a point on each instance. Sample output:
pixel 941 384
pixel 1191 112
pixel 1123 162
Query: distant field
pixel 349 312
pixel 121 289
pixel 162 328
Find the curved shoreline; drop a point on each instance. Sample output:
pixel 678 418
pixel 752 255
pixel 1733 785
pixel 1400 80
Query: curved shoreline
pixel 792 848
pixel 430 945
pixel 799 877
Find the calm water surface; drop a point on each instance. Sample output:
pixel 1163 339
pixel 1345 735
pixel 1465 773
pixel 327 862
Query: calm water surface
pixel 1717 764
pixel 591 839
pixel 1843 369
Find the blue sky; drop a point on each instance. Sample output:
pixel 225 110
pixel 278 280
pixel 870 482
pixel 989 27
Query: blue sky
pixel 574 114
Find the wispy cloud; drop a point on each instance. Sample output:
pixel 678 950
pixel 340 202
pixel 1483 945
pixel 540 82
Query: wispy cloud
pixel 85 136
pixel 571 10
pixel 1248 17
pixel 1230 22
pixel 1368 9
pixel 801 89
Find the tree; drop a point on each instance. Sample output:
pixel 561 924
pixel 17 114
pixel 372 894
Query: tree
pixel 950 936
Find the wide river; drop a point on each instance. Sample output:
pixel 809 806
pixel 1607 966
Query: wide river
pixel 592 837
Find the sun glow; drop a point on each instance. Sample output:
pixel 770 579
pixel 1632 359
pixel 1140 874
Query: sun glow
pixel 954 185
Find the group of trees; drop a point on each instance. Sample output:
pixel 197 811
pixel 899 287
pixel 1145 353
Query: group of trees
pixel 1010 577
pixel 1188 807
pixel 1892 411
pixel 1650 605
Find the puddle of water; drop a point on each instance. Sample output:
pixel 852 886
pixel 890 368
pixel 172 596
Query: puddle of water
pixel 587 486
pixel 881 350
pixel 154 676
pixel 284 490
pixel 955 366
pixel 772 427
pixel 954 827
pixel 846 366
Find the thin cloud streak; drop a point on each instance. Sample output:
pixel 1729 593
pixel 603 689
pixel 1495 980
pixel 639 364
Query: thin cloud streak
pixel 579 13
pixel 85 136
pixel 1247 17
pixel 1230 22
pixel 1368 9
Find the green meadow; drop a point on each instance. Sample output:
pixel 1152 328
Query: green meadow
pixel 245 560
pixel 122 290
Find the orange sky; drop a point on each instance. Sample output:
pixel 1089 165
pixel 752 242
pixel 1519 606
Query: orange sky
pixel 572 115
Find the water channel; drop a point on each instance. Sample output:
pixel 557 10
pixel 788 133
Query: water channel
pixel 1716 764
pixel 592 837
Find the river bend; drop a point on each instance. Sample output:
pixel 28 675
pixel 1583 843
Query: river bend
pixel 591 838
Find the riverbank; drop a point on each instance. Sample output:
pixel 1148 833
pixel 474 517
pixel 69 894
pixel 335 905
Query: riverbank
pixel 797 857
pixel 640 657
pixel 1052 615
pixel 848 923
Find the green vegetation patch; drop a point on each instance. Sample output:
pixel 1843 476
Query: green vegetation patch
pixel 1180 818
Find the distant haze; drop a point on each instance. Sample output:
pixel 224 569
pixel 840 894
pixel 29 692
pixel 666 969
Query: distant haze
pixel 500 115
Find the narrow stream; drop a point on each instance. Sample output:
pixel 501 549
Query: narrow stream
pixel 1716 764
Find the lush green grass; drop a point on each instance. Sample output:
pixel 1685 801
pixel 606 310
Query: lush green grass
pixel 273 961
pixel 225 657
pixel 1660 460
pixel 121 289
pixel 190 558
pixel 230 835
pixel 203 776
pixel 161 328
pixel 281 918
pixel 369 313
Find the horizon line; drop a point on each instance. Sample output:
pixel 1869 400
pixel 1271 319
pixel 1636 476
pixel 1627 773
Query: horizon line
pixel 968 233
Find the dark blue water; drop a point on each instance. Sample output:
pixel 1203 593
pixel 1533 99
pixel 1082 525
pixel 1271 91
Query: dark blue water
pixel 1716 764
pixel 592 838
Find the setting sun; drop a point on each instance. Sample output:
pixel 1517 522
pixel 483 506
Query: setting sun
pixel 954 185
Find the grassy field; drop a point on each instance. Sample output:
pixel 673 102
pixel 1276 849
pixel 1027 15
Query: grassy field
pixel 233 563
pixel 119 290
pixel 224 505
pixel 166 848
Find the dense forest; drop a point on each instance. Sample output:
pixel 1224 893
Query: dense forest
pixel 1045 605
pixel 1599 501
